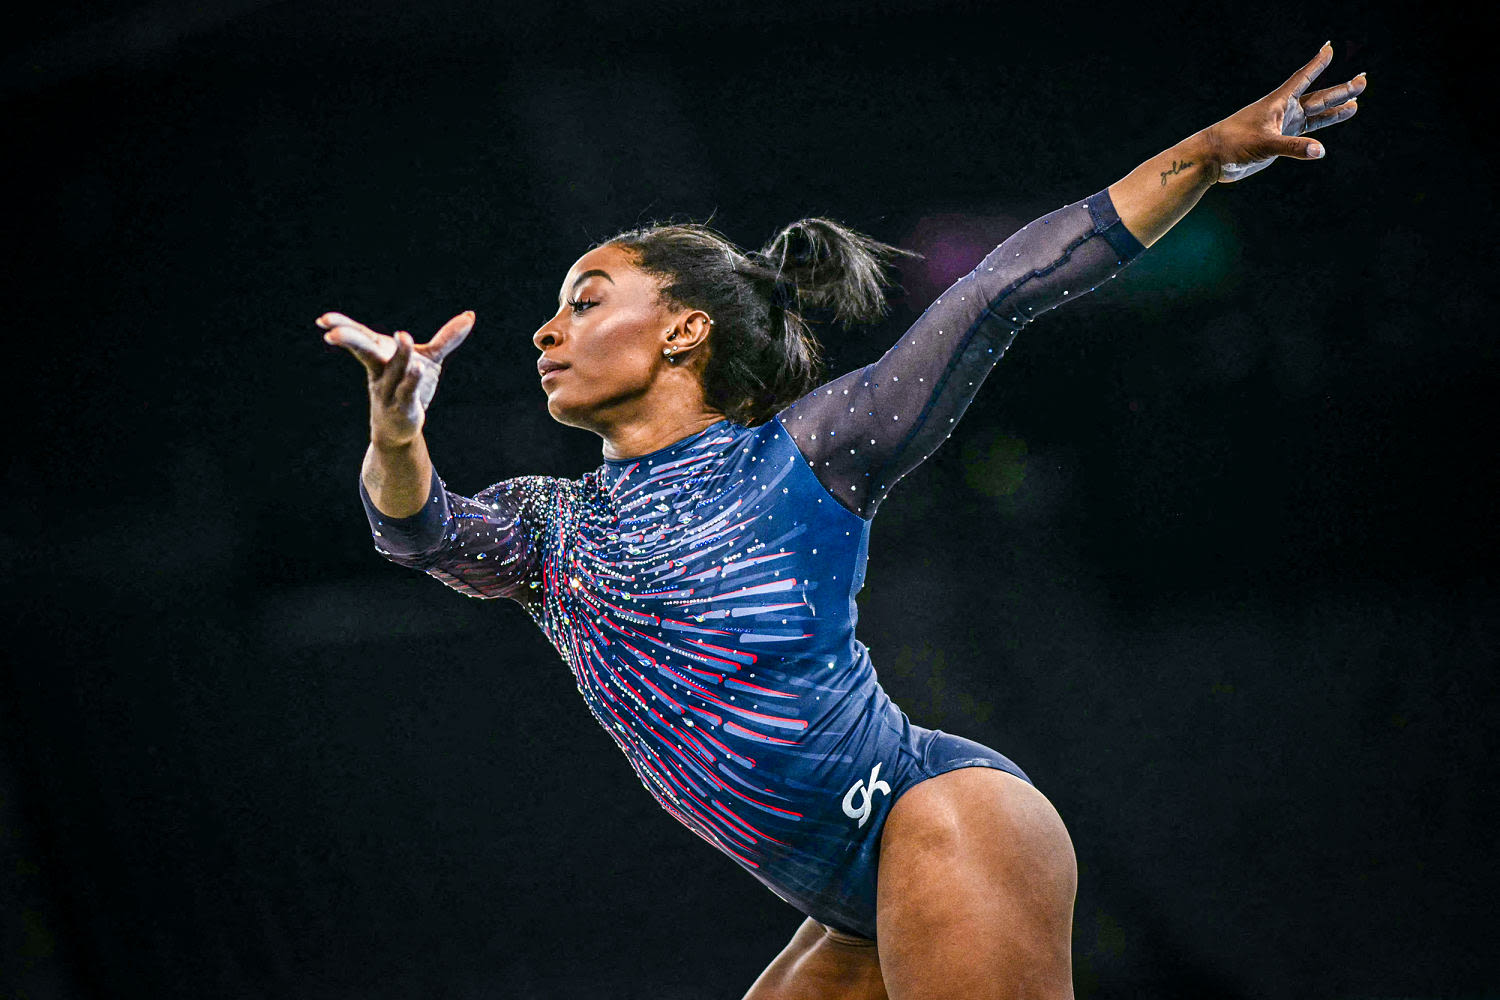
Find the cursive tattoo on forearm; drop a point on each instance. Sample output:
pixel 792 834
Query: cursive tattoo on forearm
pixel 1177 168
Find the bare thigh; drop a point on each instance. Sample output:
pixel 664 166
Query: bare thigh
pixel 821 964
pixel 975 892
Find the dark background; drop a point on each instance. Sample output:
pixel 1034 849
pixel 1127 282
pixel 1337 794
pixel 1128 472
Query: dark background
pixel 1211 556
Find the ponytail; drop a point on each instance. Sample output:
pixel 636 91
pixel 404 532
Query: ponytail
pixel 762 353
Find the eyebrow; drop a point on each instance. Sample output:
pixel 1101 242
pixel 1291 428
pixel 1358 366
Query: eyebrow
pixel 586 275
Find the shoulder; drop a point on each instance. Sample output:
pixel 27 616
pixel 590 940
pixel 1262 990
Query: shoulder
pixel 525 492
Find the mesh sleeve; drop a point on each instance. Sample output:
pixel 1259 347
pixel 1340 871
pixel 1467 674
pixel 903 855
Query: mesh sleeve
pixel 488 545
pixel 866 429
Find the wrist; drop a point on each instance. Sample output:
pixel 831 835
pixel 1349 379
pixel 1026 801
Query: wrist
pixel 394 443
pixel 1205 147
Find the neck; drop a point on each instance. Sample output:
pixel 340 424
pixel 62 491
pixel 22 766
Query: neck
pixel 632 438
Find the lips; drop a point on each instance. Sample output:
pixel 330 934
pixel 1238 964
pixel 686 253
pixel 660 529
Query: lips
pixel 546 365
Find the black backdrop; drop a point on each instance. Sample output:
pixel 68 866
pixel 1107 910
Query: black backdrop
pixel 1211 556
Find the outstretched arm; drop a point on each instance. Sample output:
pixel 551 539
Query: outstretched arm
pixel 401 378
pixel 1153 197
pixel 489 545
pixel 865 430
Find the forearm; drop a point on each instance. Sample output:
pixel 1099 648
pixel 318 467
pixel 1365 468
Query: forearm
pixel 903 406
pixel 1155 195
pixel 398 479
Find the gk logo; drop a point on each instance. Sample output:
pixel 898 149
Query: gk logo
pixel 865 796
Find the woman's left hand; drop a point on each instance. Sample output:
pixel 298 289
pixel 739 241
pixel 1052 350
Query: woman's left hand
pixel 1248 140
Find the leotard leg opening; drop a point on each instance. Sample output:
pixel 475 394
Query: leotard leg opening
pixel 946 752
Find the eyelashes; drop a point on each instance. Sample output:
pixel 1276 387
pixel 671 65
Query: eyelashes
pixel 580 305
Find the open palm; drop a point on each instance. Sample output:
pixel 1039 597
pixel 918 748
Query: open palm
pixel 1248 140
pixel 403 376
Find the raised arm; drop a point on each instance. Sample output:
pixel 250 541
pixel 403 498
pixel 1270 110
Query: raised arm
pixel 401 378
pixel 1154 196
pixel 865 430
pixel 485 546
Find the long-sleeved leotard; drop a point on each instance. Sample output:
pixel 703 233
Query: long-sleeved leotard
pixel 703 595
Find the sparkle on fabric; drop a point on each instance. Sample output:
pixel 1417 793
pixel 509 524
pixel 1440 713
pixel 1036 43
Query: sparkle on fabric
pixel 663 580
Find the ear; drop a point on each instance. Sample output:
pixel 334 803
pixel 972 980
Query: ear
pixel 689 331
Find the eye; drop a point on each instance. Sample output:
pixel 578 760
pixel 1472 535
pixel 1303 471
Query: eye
pixel 579 305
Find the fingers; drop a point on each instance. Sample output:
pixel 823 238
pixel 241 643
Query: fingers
pixel 449 337
pixel 332 320
pixel 371 348
pixel 1300 149
pixel 375 350
pixel 1314 104
pixel 390 378
pixel 372 351
pixel 1303 78
pixel 1338 114
pixel 406 389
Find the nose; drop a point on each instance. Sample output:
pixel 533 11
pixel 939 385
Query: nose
pixel 548 335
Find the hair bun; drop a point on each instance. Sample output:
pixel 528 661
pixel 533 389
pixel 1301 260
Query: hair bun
pixel 800 245
pixel 833 268
pixel 763 354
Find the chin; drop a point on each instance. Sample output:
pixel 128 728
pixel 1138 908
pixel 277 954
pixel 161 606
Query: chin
pixel 556 412
pixel 568 416
pixel 598 404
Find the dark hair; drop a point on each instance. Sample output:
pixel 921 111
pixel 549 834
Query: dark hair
pixel 762 353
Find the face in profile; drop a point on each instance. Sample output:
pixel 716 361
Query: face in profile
pixel 607 335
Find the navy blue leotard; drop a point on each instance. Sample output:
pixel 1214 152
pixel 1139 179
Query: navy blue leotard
pixel 703 595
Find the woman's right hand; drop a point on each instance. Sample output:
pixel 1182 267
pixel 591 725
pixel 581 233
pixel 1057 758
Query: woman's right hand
pixel 403 376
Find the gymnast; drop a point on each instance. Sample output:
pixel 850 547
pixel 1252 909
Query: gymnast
pixel 700 583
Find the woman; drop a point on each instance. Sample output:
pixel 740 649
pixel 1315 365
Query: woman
pixel 701 582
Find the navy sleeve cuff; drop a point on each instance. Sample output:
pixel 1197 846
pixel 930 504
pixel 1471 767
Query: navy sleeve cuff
pixel 1107 224
pixel 414 535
